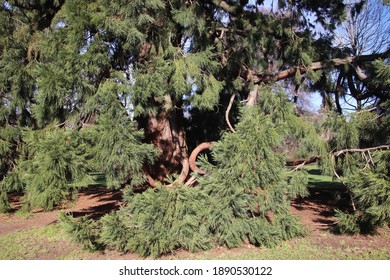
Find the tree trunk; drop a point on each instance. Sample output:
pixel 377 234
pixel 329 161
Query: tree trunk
pixel 166 132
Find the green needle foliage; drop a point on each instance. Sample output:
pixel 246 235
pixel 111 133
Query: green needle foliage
pixel 128 88
pixel 85 231
pixel 366 174
pixel 155 222
pixel 245 196
pixel 370 189
pixel 249 186
pixel 54 168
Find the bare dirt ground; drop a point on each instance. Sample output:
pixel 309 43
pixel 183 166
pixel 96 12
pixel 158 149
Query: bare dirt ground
pixel 316 213
pixel 95 202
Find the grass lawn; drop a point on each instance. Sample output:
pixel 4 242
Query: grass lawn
pixel 50 243
pixel 320 181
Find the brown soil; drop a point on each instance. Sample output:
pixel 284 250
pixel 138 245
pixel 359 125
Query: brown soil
pixel 315 212
pixel 95 202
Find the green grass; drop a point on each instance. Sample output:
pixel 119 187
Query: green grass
pixel 51 243
pixel 99 179
pixel 320 181
pixel 36 243
pixel 299 249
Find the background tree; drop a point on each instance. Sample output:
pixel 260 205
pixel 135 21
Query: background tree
pixel 363 32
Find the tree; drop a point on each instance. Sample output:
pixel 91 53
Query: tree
pixel 135 86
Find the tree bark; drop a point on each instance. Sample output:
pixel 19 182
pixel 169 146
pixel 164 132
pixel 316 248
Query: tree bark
pixel 228 111
pixel 167 134
pixel 201 147
pixel 253 96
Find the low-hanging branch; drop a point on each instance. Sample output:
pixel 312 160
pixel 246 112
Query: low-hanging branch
pixel 302 163
pixel 297 163
pixel 347 151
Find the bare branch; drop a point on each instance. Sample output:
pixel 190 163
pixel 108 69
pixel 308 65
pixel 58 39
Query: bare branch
pixel 228 111
pixel 252 96
pixel 301 163
pixel 184 172
pixel 316 66
pixel 347 151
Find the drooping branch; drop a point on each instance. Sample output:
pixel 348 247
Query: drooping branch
pixel 264 77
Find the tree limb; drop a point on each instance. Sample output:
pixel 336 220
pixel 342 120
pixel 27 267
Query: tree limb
pixel 228 111
pixel 261 77
pixel 348 151
pixel 183 175
pixel 184 172
pixel 252 96
pixel 229 8
pixel 201 147
pixel 301 163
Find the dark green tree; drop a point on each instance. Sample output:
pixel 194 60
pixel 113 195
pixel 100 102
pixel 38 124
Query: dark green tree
pixel 129 88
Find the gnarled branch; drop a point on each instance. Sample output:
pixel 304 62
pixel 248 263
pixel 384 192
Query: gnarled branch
pixel 183 175
pixel 201 147
pixel 228 111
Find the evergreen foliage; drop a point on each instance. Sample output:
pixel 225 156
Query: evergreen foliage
pixel 84 231
pixel 54 167
pixel 370 188
pixel 241 198
pixel 126 88
pixel 365 174
pixel 249 183
pixel 155 222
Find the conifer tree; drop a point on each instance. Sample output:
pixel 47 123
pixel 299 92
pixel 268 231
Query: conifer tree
pixel 129 88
